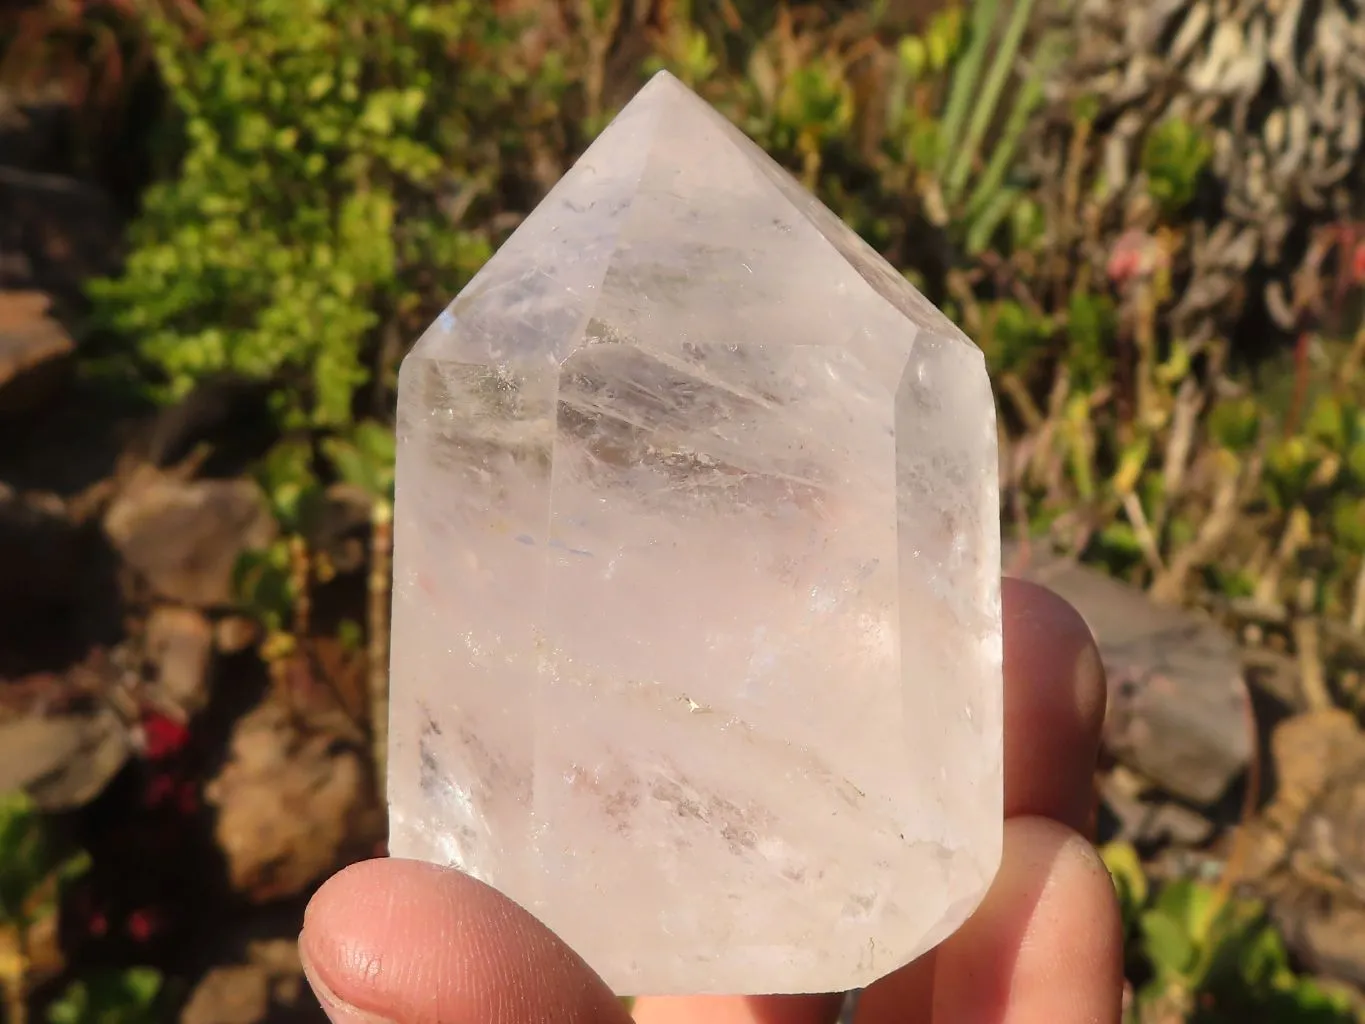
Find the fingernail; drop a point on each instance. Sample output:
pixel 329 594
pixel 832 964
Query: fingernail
pixel 338 1011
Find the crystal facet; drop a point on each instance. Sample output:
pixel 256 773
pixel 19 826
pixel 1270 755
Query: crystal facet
pixel 696 633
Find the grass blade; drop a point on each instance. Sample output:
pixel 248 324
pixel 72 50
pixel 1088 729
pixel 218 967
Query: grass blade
pixel 1030 96
pixel 966 71
pixel 984 109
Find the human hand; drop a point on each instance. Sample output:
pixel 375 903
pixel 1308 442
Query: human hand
pixel 410 943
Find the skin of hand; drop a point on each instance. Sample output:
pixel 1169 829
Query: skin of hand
pixel 400 942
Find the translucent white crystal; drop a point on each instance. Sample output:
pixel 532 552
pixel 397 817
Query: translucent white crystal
pixel 696 638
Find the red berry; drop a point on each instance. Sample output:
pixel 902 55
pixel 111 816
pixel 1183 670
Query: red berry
pixel 1358 264
pixel 143 924
pixel 162 736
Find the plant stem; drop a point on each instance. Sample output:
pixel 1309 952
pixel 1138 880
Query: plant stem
pixel 983 226
pixel 965 74
pixel 984 109
pixel 13 977
pixel 16 1008
pixel 381 556
pixel 1002 157
pixel 300 578
pixel 1358 602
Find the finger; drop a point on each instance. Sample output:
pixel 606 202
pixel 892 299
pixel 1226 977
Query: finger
pixel 1054 711
pixel 1045 946
pixel 410 943
pixel 738 1009
pixel 1054 706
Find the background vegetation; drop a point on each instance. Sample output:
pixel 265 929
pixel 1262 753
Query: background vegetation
pixel 322 176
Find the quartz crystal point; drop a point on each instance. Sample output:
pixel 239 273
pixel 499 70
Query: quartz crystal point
pixel 696 626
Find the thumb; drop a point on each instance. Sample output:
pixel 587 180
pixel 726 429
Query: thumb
pixel 403 942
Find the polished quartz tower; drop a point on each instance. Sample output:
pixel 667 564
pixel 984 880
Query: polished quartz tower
pixel 696 625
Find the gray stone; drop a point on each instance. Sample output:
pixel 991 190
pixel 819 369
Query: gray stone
pixel 1179 711
pixel 64 761
pixel 184 538
pixel 179 645
pixel 35 351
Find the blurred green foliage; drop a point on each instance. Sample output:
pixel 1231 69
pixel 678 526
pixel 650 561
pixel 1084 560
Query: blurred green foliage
pixel 1209 958
pixel 33 870
pixel 322 153
pixel 335 170
pixel 130 996
pixel 1174 156
pixel 34 873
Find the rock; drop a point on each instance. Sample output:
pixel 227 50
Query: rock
pixel 35 351
pixel 291 804
pixel 1311 753
pixel 228 414
pixel 1328 936
pixel 343 528
pixel 268 986
pixel 179 645
pixel 233 634
pixel 1145 821
pixel 1179 711
pixel 1306 851
pixel 65 761
pixel 239 994
pixel 184 537
pixel 1334 828
pixel 278 957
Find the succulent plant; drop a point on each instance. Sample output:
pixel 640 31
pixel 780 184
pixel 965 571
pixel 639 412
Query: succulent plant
pixel 1274 88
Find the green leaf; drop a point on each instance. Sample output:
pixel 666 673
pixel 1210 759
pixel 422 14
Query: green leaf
pixel 350 635
pixel 272 248
pixel 33 871
pixel 1167 943
pixel 377 443
pixel 1290 464
pixel 1355 462
pixel 1174 155
pixel 286 476
pixel 1015 336
pixel 366 459
pixel 962 91
pixel 1119 539
pixel 985 104
pixel 1130 881
pixel 1327 423
pixel 943 37
pixel 1091 325
pixel 1235 423
pixel 984 225
pixel 128 996
pixel 913 55
pixel 264 585
pixel 1348 522
pixel 1190 904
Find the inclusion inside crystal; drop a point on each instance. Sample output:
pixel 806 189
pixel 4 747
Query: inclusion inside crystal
pixel 696 626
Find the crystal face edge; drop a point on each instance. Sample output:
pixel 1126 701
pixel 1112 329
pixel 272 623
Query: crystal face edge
pixel 479 775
